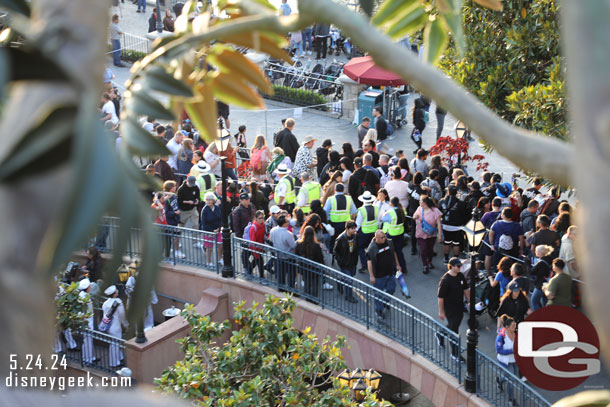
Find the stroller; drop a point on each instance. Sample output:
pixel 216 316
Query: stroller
pixel 487 297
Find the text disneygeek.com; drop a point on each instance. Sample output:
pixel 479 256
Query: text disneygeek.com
pixel 62 383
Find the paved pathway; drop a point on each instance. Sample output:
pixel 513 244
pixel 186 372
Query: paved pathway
pixel 423 287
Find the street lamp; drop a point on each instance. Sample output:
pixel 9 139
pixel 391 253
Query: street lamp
pixel 159 23
pixel 359 381
pixel 227 268
pixel 475 231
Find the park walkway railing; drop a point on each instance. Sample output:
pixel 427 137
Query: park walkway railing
pixel 329 288
pixel 105 352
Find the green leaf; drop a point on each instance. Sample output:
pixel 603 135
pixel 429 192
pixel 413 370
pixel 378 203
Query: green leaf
pixel 140 141
pixel 435 41
pixel 149 267
pixel 31 64
pixel 19 6
pixel 96 171
pixel 453 20
pixel 389 9
pixel 38 149
pixel 144 105
pixel 414 20
pixel 157 79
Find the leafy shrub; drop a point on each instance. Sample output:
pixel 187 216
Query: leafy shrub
pixel 299 97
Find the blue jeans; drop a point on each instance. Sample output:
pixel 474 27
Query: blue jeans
pixel 142 3
pixel 347 285
pixel 307 43
pixel 387 284
pixel 116 53
pixel 511 367
pixel 538 299
pixel 364 240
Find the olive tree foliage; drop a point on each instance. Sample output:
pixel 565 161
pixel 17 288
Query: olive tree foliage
pixel 266 362
pixel 59 173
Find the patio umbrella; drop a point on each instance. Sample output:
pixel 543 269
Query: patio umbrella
pixel 363 70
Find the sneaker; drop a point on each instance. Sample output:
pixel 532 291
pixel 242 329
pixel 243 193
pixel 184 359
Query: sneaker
pixel 180 255
pixel 327 286
pixel 198 245
pixel 439 340
pixel 499 384
pixel 211 265
pixel 446 261
pixel 458 359
pixel 221 262
pixel 426 269
pixel 363 270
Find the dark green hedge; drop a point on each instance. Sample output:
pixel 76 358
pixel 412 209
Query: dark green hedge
pixel 299 97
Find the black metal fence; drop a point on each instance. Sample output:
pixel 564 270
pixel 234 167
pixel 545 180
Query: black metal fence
pixel 330 289
pixel 97 350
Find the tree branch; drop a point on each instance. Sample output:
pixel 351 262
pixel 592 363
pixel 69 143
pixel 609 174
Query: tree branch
pixel 528 150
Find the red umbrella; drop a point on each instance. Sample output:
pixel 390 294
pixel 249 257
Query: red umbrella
pixel 363 70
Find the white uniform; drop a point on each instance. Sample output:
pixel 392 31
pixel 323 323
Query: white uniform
pixel 149 317
pixel 116 330
pixel 88 355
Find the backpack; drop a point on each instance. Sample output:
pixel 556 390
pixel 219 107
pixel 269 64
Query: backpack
pixel 256 161
pixel 249 226
pixel 384 178
pixel 389 128
pixel 104 324
pixel 505 243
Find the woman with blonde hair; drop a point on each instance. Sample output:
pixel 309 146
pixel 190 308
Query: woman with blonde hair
pixel 370 135
pixel 278 158
pixel 260 156
pixel 328 189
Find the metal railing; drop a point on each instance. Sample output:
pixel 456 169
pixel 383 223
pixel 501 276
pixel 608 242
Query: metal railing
pixel 312 281
pixel 190 247
pixel 133 46
pixel 498 385
pixel 329 288
pixel 98 350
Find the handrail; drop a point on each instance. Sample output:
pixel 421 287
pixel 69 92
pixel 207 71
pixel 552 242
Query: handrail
pixel 303 277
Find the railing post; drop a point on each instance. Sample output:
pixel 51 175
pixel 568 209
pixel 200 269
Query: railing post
pixel 368 306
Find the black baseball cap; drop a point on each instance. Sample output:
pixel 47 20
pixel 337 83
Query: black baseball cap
pixel 454 261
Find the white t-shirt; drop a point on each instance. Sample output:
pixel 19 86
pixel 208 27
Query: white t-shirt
pixel 210 157
pixel 173 146
pixel 108 108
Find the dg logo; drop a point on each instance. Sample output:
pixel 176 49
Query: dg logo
pixel 557 348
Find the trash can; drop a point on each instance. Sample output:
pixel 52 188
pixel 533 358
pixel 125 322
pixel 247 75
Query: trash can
pixel 367 101
pixel 171 313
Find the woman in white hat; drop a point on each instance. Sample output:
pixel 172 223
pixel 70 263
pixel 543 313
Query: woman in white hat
pixel 211 219
pixel 115 354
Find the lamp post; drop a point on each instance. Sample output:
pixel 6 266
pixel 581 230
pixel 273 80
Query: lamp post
pixel 159 23
pixel 227 268
pixel 474 231
pixel 140 336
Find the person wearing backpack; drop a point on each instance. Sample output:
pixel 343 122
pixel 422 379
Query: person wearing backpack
pixel 260 156
pixel 419 123
pixel 434 188
pixel 506 237
pixel 114 311
pixel 454 217
pixel 427 220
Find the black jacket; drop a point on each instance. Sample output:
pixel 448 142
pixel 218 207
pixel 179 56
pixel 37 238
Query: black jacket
pixel 187 193
pixel 344 258
pixel 361 180
pixel 382 128
pixel 322 156
pixel 240 218
pixel 287 142
pixel 419 114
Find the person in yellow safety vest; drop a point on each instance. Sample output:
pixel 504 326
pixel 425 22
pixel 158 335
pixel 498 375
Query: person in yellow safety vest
pixel 310 191
pixel 367 221
pixel 205 181
pixel 285 194
pixel 394 227
pixel 339 209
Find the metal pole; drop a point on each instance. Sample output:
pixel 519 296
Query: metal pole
pixel 472 335
pixel 227 268
pixel 266 125
pixel 140 337
pixel 159 23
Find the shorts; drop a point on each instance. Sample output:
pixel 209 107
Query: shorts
pixel 453 238
pixel 208 241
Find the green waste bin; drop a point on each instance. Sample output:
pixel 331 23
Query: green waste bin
pixel 367 100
